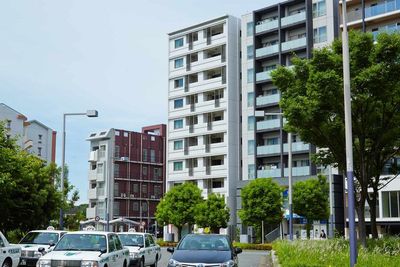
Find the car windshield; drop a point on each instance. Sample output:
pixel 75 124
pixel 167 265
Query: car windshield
pixel 85 242
pixel 40 238
pixel 204 242
pixel 131 239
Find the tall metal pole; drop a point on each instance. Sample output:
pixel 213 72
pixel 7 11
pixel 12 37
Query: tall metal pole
pixel 349 141
pixel 290 186
pixel 330 202
pixel 62 175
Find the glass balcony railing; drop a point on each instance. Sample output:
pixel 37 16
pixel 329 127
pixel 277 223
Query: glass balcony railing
pixel 268 99
pixel 388 28
pixel 293 19
pixel 265 75
pixel 268 173
pixel 293 44
pixel 296 146
pixel 268 124
pixel 269 149
pixel 388 6
pixel 266 25
pixel 268 50
pixel 298 171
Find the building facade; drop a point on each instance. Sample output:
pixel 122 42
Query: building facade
pixel 272 37
pixel 203 108
pixel 126 174
pixel 32 136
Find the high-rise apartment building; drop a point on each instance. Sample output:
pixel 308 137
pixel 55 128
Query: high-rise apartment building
pixel 32 136
pixel 126 174
pixel 271 37
pixel 204 105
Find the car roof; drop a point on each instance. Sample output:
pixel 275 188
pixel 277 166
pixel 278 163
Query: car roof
pixel 132 233
pixel 48 231
pixel 89 232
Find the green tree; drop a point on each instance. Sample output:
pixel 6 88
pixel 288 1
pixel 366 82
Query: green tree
pixel 261 201
pixel 312 102
pixel 178 206
pixel 310 200
pixel 28 197
pixel 212 213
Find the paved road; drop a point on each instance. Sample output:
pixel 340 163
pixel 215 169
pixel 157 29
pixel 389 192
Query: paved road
pixel 248 258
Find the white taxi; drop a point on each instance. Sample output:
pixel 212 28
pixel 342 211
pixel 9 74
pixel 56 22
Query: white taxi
pixel 143 249
pixel 87 249
pixel 36 243
pixel 9 254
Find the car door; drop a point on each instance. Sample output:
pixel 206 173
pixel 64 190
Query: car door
pixel 150 250
pixel 112 251
pixel 119 250
pixel 3 251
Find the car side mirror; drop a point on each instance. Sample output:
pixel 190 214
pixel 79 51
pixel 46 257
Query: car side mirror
pixel 238 250
pixel 141 245
pixel 42 250
pixel 52 244
pixel 171 250
pixel 102 251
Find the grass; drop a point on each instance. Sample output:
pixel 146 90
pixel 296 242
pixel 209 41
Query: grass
pixel 335 252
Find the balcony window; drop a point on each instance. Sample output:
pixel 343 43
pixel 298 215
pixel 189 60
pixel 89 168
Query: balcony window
pixel 217 138
pixel 218 29
pixel 213 52
pixel 271 117
pixel 178 63
pixel 178 124
pixel 250 147
pixel 178 103
pixel 178 165
pixel 271 91
pixel 250 99
pixel 217 94
pixel 218 183
pixel 193 78
pixel 269 67
pixel 270 43
pixel 178 145
pixel 250 29
pixel 250 74
pixel 214 73
pixel 320 35
pixel 272 141
pixel 178 83
pixel 319 9
pixel 250 52
pixel 193 141
pixel 178 42
pixel 297 11
pixel 217 161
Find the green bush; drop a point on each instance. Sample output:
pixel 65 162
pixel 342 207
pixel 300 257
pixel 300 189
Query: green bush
pixel 253 246
pixel 163 243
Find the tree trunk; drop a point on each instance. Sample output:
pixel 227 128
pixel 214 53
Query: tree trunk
pixel 361 221
pixel 179 233
pixel 372 207
pixel 308 228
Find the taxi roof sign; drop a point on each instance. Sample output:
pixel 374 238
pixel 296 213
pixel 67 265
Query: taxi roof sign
pixel 50 228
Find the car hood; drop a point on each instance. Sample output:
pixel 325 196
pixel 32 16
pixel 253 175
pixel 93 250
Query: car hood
pixel 33 247
pixel 201 256
pixel 72 255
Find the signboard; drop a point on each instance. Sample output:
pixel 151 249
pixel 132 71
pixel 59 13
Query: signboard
pixel 97 218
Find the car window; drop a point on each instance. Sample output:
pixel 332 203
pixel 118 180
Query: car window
pixel 147 241
pixel 152 240
pixel 204 242
pixel 118 244
pixel 40 238
pixel 111 244
pixel 1 242
pixel 131 239
pixel 82 242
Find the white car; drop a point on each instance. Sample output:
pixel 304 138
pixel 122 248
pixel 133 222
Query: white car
pixel 32 242
pixel 87 249
pixel 9 254
pixel 143 250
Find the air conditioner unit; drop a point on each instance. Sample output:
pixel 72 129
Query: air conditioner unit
pixel 132 195
pixel 153 197
pixel 124 158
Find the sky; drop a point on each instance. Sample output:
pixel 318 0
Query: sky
pixel 67 56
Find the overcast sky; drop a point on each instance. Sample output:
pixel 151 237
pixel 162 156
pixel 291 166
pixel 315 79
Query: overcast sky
pixel 61 56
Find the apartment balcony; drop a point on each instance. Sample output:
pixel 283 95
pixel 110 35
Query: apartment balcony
pixel 269 173
pixel 294 44
pixel 92 193
pixel 90 213
pixel 269 149
pixel 92 175
pixel 266 25
pixel 263 76
pixel 268 124
pixel 207 63
pixel 383 8
pixel 93 156
pixel 300 17
pixel 296 171
pixel 266 51
pixel 296 147
pixel 266 100
pixel 388 29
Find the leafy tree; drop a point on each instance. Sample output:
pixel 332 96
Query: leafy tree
pixel 74 215
pixel 310 200
pixel 312 102
pixel 28 197
pixel 261 201
pixel 212 213
pixel 178 206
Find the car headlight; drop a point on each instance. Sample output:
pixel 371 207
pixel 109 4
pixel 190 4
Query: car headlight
pixel 174 263
pixel 229 263
pixel 37 254
pixel 134 255
pixel 89 264
pixel 43 263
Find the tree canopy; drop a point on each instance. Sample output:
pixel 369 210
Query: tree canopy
pixel 261 201
pixel 312 102
pixel 212 213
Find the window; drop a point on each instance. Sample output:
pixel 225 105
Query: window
pixel 319 9
pixel 135 188
pixel 250 74
pixel 178 165
pixel 144 170
pixel 271 91
pixel 178 63
pixel 135 206
pixel 8 124
pixel 157 173
pixel 40 137
pixel 250 52
pixel 178 103
pixel 250 148
pixel 219 183
pixel 39 151
pixel 100 168
pixel 116 170
pixel 178 42
pixel 144 154
pixel 269 67
pixel 152 155
pixel 178 83
pixel 250 123
pixel 250 29
pixel 251 171
pixel 272 141
pixel 250 99
pixel 178 145
pixel 320 35
pixel 178 124
pixel 157 191
pixel 116 133
pixel 144 188
pixel 391 204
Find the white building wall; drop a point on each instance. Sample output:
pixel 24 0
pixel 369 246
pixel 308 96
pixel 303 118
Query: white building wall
pixel 44 143
pixel 16 129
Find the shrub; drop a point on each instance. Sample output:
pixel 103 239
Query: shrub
pixel 253 246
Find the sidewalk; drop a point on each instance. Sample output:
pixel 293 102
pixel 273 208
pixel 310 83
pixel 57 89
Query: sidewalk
pixel 266 261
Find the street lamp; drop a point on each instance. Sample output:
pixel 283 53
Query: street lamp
pixel 90 114
pixel 349 141
pixel 290 179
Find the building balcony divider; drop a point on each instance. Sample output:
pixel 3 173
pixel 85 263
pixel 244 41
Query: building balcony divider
pixel 293 19
pixel 268 149
pixel 293 44
pixel 266 25
pixel 267 50
pixel 268 124
pixel 268 99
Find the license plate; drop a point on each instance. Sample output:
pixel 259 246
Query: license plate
pixel 23 262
